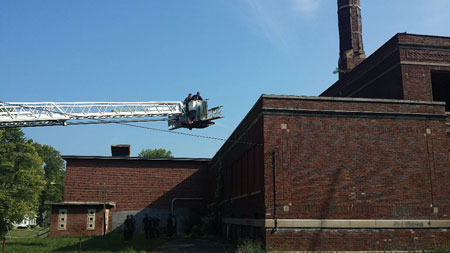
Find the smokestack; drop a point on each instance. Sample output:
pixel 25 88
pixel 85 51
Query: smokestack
pixel 120 150
pixel 351 51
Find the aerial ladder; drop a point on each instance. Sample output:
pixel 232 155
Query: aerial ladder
pixel 194 114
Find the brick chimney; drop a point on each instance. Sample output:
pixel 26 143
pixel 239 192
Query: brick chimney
pixel 351 51
pixel 120 150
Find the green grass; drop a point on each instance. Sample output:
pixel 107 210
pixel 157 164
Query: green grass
pixel 112 242
pixel 26 233
pixel 439 250
pixel 26 240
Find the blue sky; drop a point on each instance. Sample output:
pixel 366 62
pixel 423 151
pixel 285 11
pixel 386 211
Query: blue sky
pixel 231 50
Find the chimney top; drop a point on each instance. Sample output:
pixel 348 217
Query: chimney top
pixel 120 150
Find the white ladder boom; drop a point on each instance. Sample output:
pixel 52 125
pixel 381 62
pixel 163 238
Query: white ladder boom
pixel 23 114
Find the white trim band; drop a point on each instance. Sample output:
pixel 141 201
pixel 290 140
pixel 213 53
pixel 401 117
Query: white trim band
pixel 419 63
pixel 338 223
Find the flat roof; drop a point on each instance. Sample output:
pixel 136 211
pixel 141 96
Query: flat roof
pixel 178 159
pixel 80 203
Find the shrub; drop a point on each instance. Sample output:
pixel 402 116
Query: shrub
pixel 250 246
pixel 191 224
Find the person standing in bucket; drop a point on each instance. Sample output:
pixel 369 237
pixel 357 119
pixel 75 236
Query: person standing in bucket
pixel 197 96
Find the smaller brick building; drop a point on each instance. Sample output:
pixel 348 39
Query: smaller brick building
pixel 128 185
pixel 74 218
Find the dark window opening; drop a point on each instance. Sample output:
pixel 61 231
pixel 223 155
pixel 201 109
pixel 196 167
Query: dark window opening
pixel 440 82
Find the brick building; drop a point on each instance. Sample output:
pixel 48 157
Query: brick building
pixel 128 185
pixel 72 218
pixel 320 173
pixel 364 166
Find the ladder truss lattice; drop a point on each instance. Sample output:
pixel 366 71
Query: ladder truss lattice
pixel 13 114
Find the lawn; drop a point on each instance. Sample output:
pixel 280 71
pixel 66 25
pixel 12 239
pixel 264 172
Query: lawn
pixel 29 241
pixel 26 241
pixel 26 233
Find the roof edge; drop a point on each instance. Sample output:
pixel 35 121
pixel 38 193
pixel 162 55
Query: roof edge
pixel 423 35
pixel 351 99
pixel 80 203
pixel 180 159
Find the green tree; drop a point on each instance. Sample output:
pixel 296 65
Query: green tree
pixel 155 153
pixel 21 178
pixel 54 177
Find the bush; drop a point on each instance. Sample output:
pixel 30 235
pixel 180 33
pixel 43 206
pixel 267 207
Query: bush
pixel 250 246
pixel 209 225
pixel 195 231
pixel 191 224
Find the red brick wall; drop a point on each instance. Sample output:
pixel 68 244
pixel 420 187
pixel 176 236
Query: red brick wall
pixel 342 162
pixel 418 63
pixel 356 239
pixel 76 221
pixel 135 184
pixel 357 159
pixel 345 159
pixel 240 161
pixel 423 40
pixel 336 160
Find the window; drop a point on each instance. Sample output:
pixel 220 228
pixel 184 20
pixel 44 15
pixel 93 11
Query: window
pixel 440 81
pixel 91 219
pixel 62 219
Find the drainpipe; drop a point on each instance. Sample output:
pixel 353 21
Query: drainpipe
pixel 274 179
pixel 104 209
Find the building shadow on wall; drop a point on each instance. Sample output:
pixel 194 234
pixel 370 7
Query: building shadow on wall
pixel 193 186
pixel 325 209
pixel 188 198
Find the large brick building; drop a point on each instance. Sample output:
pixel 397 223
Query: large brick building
pixel 364 166
pixel 320 173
